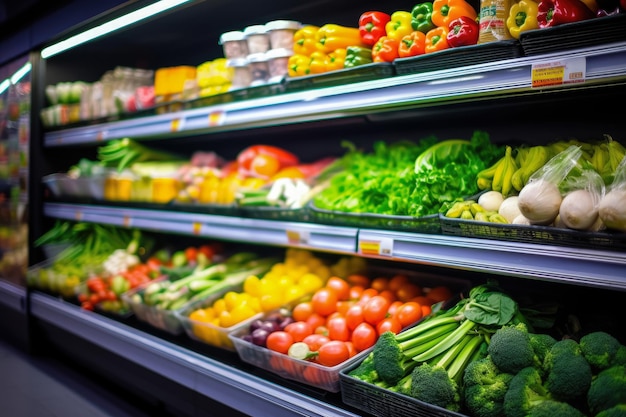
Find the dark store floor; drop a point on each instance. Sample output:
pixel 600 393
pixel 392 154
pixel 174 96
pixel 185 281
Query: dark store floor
pixel 44 386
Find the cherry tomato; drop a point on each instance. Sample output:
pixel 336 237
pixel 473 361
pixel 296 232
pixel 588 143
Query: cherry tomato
pixel 351 349
pixel 366 295
pixel 390 324
pixel 397 281
pixel 354 316
pixel 324 301
pixel 302 311
pixel 344 306
pixel 333 353
pixel 389 295
pixel 299 330
pixel 338 329
pixel 408 313
pixel 279 341
pixel 380 284
pixel 408 291
pixel 393 307
pixel 316 321
pixel 356 291
pixel 375 309
pixel 358 279
pixel 315 341
pixel 364 336
pixel 341 287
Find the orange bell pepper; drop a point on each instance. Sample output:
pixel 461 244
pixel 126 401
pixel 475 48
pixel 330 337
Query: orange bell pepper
pixel 445 11
pixel 412 44
pixel 385 49
pixel 436 40
pixel 304 41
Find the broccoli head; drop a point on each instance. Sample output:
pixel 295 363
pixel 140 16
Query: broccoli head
pixel 607 389
pixel 617 411
pixel 600 349
pixel 484 387
pixel 568 372
pixel 541 344
pixel 433 385
pixel 526 390
pixel 390 363
pixel 366 370
pixel 553 408
pixel 510 348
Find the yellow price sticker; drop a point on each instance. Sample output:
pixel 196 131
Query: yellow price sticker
pixel 295 237
pixel 382 247
pixel 196 228
pixel 175 125
pixel 553 73
pixel 216 118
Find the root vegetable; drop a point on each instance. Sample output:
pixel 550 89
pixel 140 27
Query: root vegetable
pixel 539 201
pixel 520 219
pixel 509 209
pixel 612 209
pixel 491 200
pixel 578 210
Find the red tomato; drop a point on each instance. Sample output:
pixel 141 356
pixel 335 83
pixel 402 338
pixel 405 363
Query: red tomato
pixel 338 329
pixel 390 324
pixel 341 287
pixel 364 336
pixel 375 309
pixel 366 295
pixel 299 330
pixel 279 341
pixel 344 306
pixel 313 375
pixel 302 311
pixel 389 295
pixel 408 291
pixel 333 353
pixel 316 321
pixel 356 291
pixel 380 284
pixel 408 313
pixel 324 301
pixel 207 251
pixel 393 307
pixel 358 279
pixel 397 281
pixel 351 348
pixel 315 341
pixel 354 316
pixel 191 254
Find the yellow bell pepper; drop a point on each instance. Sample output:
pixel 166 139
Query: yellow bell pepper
pixel 522 17
pixel 336 59
pixel 318 62
pixel 399 26
pixel 330 37
pixel 445 11
pixel 304 40
pixel 298 65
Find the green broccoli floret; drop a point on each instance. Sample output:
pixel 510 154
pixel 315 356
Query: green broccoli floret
pixel 484 388
pixel 432 385
pixel 617 411
pixel 541 344
pixel 510 349
pixel 599 348
pixel 568 372
pixel 553 408
pixel 526 390
pixel 608 389
pixel 365 371
pixel 620 356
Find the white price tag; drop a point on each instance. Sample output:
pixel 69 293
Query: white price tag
pixel 378 247
pixel 561 72
pixel 298 237
pixel 127 221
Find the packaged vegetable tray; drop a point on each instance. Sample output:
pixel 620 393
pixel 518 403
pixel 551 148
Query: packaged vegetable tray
pixel 426 224
pixel 544 235
pixel 382 402
pixel 365 72
pixel 459 57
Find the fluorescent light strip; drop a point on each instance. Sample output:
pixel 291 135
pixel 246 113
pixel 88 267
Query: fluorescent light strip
pixel 110 26
pixel 20 73
pixel 4 85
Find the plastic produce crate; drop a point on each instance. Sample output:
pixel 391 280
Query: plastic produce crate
pixel 275 213
pixel 544 235
pixel 459 57
pixel 427 224
pixel 344 76
pixel 586 33
pixel 382 402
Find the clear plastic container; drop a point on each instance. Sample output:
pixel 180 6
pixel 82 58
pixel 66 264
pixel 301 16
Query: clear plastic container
pixel 278 60
pixel 257 38
pixel 242 75
pixel 259 68
pixel 281 33
pixel 234 44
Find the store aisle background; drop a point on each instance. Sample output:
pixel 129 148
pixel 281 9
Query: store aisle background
pixel 47 386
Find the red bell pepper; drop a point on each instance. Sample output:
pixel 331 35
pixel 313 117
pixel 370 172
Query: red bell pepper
pixel 385 50
pixel 372 26
pixel 246 157
pixel 462 31
pixel 557 12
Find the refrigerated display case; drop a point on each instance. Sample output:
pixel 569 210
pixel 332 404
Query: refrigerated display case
pixel 505 97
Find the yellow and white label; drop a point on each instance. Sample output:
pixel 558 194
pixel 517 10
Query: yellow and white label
pixel 216 118
pixel 298 237
pixel 196 228
pixel 561 72
pixel 376 247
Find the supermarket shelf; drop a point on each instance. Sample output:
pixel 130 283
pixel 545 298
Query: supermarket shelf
pixel 595 268
pixel 603 66
pixel 522 260
pixel 237 389
pixel 12 296
pixel 269 232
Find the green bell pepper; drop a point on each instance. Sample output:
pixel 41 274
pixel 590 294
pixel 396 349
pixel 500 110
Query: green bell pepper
pixel 421 17
pixel 357 55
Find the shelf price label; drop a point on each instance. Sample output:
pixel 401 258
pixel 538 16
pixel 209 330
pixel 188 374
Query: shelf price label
pixel 176 124
pixel 78 215
pixel 216 118
pixel 127 221
pixel 196 228
pixel 101 135
pixel 560 72
pixel 376 247
pixel 298 237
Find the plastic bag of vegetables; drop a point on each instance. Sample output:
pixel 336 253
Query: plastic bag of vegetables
pixel 612 207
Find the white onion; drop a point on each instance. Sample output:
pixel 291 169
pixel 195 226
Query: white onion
pixel 520 219
pixel 539 201
pixel 509 208
pixel 578 210
pixel 612 209
pixel 491 200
